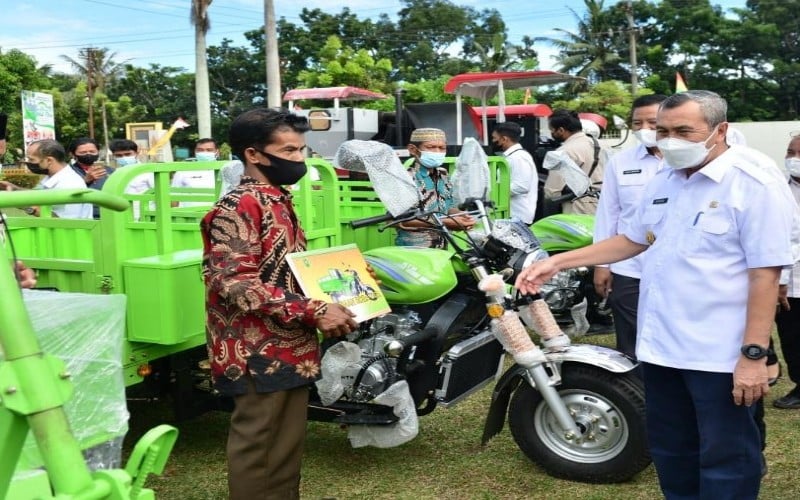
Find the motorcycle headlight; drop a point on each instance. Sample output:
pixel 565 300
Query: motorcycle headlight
pixel 521 260
pixel 515 234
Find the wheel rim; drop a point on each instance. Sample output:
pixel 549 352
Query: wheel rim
pixel 602 426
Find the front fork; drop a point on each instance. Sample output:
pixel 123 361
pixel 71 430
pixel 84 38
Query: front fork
pixel 509 330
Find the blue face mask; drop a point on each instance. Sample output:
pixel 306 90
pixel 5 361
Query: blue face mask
pixel 125 161
pixel 205 156
pixel 429 159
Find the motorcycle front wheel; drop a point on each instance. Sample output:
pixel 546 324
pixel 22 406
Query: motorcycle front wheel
pixel 609 411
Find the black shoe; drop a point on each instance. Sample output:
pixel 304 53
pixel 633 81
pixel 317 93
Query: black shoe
pixel 790 401
pixel 774 380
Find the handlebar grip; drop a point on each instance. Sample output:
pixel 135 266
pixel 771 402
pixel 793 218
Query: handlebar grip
pixel 369 221
pixel 28 197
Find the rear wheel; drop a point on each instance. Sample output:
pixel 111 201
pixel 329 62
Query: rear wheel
pixel 608 409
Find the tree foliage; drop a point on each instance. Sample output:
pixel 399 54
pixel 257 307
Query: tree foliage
pixel 751 56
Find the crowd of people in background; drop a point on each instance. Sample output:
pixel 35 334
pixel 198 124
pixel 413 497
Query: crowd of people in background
pixel 696 242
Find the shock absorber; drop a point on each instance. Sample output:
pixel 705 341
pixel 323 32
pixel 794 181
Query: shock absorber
pixel 536 314
pixel 509 330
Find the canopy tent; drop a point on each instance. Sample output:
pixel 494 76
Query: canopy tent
pixel 332 93
pixel 484 86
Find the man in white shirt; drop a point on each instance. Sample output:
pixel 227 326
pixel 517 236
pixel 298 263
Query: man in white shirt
pixel 788 317
pixel 204 150
pixel 717 228
pixel 126 153
pixel 524 178
pixel 48 157
pixel 627 173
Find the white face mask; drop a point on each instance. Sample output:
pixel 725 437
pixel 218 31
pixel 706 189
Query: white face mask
pixel 646 136
pixel 793 166
pixel 680 153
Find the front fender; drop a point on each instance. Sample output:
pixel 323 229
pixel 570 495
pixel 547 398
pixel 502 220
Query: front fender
pixel 587 354
pixel 501 395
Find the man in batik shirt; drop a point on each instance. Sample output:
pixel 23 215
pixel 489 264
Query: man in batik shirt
pixel 428 146
pixel 261 330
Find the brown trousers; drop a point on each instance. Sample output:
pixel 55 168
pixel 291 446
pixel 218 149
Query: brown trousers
pixel 265 444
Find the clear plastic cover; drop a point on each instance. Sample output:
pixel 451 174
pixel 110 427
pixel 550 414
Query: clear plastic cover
pixel 471 177
pixel 230 174
pixel 335 361
pixel 87 334
pixel 390 180
pixel 576 179
pixel 515 234
pixel 387 436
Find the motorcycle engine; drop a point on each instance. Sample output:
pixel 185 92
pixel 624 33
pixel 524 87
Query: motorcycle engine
pixel 376 371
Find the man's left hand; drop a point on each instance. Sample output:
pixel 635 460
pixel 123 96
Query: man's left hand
pixel 749 381
pixel 783 297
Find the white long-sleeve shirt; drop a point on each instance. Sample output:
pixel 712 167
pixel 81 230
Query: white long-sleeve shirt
pixel 794 275
pixel 524 183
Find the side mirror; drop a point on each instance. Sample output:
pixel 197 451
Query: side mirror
pixel 319 120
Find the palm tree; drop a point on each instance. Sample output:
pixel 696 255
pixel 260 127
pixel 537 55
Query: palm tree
pixel 590 52
pixel 202 24
pixel 99 68
pixel 497 54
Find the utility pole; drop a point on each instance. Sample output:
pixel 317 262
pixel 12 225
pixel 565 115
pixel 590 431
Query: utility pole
pixel 273 64
pixel 89 55
pixel 632 43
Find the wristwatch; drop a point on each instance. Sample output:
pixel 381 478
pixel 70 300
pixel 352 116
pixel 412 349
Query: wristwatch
pixel 754 351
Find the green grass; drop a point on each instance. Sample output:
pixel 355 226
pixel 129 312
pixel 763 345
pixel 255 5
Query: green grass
pixel 445 461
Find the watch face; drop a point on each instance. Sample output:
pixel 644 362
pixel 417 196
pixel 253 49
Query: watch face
pixel 753 351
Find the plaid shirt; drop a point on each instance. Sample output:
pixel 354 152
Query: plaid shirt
pixel 257 320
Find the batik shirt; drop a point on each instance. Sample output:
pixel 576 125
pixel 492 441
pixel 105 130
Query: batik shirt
pixel 257 320
pixel 437 195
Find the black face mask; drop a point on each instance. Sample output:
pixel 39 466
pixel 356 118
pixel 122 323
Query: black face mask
pixel 280 171
pixel 87 159
pixel 36 169
pixel 497 147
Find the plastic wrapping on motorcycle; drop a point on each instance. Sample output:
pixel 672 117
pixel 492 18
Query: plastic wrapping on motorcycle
pixel 387 436
pixel 230 174
pixel 390 180
pixel 516 234
pixel 86 332
pixel 336 359
pixel 471 177
pixel 575 178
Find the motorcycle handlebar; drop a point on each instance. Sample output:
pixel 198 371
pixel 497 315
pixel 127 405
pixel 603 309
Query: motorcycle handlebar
pixel 377 219
pixel 28 197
